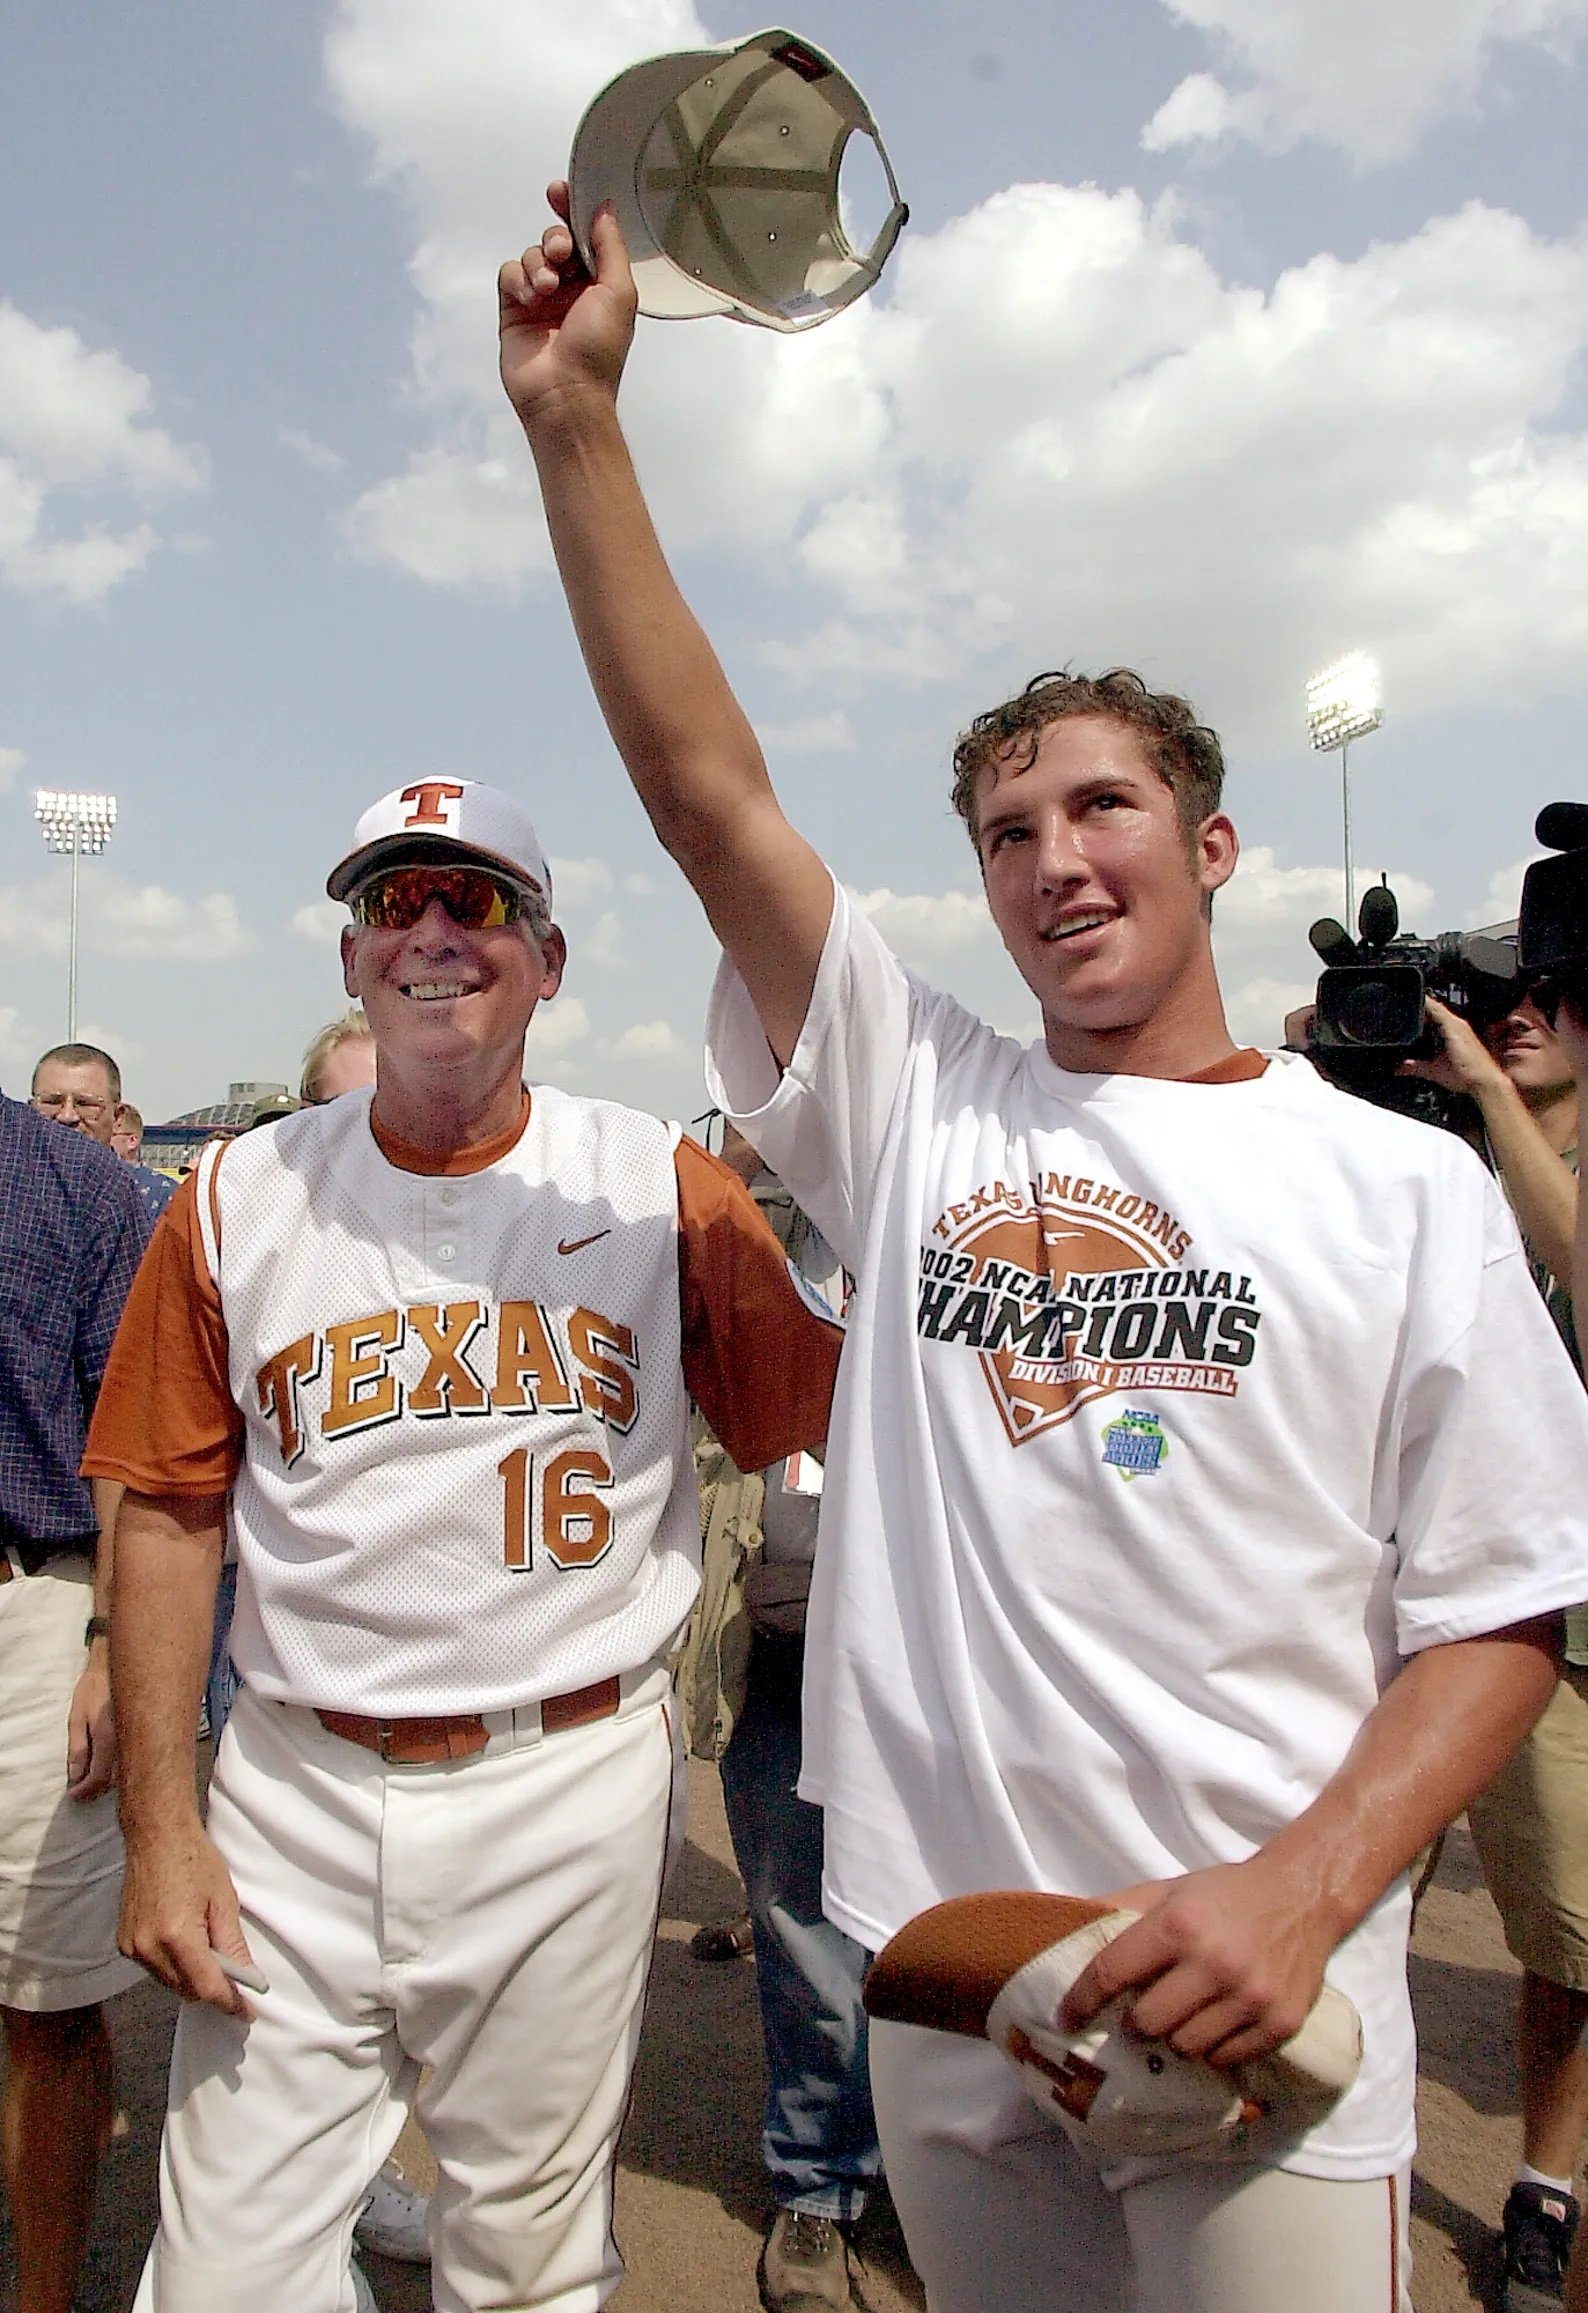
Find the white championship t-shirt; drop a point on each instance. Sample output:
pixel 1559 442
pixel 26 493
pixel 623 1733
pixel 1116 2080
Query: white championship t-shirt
pixel 1170 1417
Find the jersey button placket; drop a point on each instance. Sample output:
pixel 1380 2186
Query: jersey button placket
pixel 447 1230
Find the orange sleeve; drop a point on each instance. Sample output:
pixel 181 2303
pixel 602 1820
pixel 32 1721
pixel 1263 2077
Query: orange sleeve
pixel 166 1422
pixel 757 1359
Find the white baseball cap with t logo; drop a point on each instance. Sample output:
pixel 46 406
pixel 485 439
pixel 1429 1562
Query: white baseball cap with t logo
pixel 722 165
pixel 444 822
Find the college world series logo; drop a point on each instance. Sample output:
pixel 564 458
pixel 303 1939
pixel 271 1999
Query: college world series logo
pixel 1069 1288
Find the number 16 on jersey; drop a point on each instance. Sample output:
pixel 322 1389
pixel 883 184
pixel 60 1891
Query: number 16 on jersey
pixel 565 1498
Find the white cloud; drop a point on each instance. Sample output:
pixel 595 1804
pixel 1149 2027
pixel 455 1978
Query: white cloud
pixel 451 98
pixel 1504 895
pixel 74 424
pixel 81 569
pixel 1129 457
pixel 320 924
pixel 11 762
pixel 127 1050
pixel 1258 1009
pixel 122 919
pixel 931 931
pixel 1198 111
pixel 318 456
pixel 74 416
pixel 557 1027
pixel 1369 76
pixel 454 520
pixel 603 943
pixel 653 1040
pixel 18 1045
pixel 829 734
pixel 576 883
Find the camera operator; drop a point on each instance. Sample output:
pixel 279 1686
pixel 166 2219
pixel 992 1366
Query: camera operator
pixel 1571 1028
pixel 1521 1076
pixel 1531 1823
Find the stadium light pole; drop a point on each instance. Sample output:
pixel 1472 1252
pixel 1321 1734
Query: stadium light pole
pixel 1344 702
pixel 74 823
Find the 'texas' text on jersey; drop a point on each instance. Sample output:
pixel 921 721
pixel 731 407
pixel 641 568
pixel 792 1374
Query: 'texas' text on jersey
pixel 444 1361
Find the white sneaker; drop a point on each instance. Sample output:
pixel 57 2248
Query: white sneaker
pixel 392 2221
pixel 363 2294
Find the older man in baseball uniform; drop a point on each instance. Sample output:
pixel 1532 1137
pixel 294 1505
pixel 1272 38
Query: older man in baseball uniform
pixel 436 1344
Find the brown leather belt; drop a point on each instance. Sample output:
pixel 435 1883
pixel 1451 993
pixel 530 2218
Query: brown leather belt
pixel 426 1742
pixel 5 1567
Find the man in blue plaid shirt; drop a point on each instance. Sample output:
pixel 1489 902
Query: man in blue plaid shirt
pixel 72 1229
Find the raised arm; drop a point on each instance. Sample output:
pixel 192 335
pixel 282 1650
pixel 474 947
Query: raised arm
pixel 692 755
pixel 1542 1189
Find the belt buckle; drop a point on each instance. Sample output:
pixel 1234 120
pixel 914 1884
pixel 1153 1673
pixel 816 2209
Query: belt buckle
pixel 384 1731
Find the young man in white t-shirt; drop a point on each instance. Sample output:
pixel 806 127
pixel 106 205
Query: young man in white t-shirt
pixel 1183 1538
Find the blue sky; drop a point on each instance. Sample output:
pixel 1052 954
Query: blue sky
pixel 1227 335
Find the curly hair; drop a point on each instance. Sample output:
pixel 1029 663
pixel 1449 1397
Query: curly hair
pixel 1185 754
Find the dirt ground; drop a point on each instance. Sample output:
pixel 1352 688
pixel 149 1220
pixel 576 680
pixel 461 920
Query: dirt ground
pixel 691 2199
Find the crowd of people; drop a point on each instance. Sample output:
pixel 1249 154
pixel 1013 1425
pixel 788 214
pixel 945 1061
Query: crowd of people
pixel 1107 1460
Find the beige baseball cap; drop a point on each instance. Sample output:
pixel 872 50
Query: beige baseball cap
pixel 452 822
pixel 722 165
pixel 1000 1965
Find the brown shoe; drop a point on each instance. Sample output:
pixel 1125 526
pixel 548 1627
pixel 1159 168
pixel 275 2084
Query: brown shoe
pixel 724 1939
pixel 804 2265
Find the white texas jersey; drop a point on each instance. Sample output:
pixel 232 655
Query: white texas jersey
pixel 466 1482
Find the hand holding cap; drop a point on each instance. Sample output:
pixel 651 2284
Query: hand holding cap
pixel 999 1965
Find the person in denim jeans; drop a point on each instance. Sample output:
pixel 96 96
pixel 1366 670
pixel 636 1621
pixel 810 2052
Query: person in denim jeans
pixel 819 2134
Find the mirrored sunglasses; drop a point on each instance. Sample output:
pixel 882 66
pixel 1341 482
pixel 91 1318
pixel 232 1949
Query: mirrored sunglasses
pixel 474 897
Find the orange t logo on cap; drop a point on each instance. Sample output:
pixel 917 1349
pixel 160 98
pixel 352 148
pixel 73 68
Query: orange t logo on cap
pixel 430 795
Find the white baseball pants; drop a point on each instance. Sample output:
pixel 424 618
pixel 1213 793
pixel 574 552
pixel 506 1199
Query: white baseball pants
pixel 1004 2215
pixel 492 1918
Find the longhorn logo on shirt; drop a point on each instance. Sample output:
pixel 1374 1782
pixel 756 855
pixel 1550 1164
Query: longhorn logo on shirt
pixel 1070 1288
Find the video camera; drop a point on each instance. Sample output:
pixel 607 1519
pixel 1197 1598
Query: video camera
pixel 1552 929
pixel 1372 1001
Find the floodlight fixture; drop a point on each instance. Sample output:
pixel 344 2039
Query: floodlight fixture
pixel 1345 701
pixel 72 824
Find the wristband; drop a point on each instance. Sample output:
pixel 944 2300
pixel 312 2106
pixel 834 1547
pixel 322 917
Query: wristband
pixel 97 1626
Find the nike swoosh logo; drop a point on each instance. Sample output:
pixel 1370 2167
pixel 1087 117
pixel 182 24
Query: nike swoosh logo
pixel 578 1244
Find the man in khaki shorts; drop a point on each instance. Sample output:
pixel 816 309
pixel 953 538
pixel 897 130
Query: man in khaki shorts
pixel 72 1228
pixel 1531 1823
